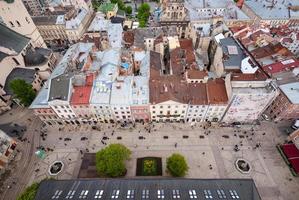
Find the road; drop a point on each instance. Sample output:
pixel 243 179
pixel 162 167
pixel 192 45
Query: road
pixel 21 170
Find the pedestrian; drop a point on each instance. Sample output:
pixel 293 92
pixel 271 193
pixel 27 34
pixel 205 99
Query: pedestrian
pixel 175 145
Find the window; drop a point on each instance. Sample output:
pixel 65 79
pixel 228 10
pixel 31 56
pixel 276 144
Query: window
pixel 83 194
pixel 16 61
pixel 160 194
pixel 27 20
pixel 145 194
pixel 208 194
pixel 70 194
pixel 176 194
pixel 57 194
pixel 221 194
pixel 115 194
pixel 12 25
pixel 234 194
pixel 192 194
pixel 99 194
pixel 130 194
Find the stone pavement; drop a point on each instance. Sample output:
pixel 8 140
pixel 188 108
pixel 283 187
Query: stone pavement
pixel 201 149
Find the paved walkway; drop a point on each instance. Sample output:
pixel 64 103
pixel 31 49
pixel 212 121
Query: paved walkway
pixel 201 150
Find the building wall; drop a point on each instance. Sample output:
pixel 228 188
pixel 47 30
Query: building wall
pixel 83 112
pixel 196 113
pixel 215 112
pixel 53 32
pixel 122 113
pixel 16 17
pixel 8 146
pixel 103 113
pixel 63 110
pixel 34 7
pixel 174 11
pixel 282 109
pixel 46 115
pixel 247 107
pixel 168 111
pixel 75 34
pixel 140 113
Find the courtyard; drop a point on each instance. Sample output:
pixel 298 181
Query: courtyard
pixel 210 153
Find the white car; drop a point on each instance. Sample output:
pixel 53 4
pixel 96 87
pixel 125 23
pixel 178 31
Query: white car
pixel 266 117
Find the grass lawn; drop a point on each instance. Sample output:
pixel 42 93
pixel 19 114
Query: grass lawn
pixel 149 166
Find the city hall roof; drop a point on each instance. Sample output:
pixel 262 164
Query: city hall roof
pixel 148 189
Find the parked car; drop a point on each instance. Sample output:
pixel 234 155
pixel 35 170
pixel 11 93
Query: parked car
pixel 266 117
pixel 296 125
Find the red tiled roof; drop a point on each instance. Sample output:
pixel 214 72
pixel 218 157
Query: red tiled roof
pixel 269 50
pixel 216 91
pixel 279 66
pixel 236 29
pixel 196 74
pixel 81 94
pixel 259 75
pixel 128 38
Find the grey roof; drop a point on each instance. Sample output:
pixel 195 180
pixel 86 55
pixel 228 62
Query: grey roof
pixel 291 90
pixel 34 58
pixel 231 61
pixel 19 73
pixel 148 189
pixel 142 33
pixel 45 20
pixel 59 87
pixel 11 40
pixel 274 9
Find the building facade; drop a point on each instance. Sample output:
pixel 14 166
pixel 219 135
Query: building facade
pixel 7 147
pixel 286 105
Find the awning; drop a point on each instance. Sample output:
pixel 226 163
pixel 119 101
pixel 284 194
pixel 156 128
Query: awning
pixel 292 153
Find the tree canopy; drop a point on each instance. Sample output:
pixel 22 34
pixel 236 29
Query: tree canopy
pixel 22 91
pixel 176 165
pixel 143 14
pixel 129 10
pixel 110 161
pixel 29 193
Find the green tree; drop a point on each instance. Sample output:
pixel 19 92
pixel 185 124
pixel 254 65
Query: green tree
pixel 111 160
pixel 143 14
pixel 29 193
pixel 129 10
pixel 177 165
pixel 22 91
pixel 120 4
